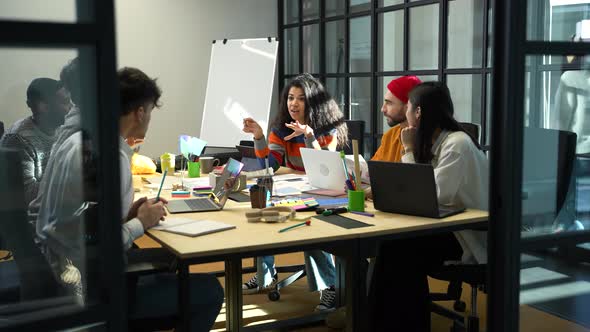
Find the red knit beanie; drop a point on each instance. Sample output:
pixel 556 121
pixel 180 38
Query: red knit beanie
pixel 401 87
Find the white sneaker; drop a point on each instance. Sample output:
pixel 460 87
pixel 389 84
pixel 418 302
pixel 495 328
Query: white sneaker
pixel 327 300
pixel 251 286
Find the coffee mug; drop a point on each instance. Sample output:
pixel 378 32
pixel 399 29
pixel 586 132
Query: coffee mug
pixel 207 164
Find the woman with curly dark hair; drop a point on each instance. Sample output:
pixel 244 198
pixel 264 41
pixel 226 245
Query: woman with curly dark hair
pixel 308 118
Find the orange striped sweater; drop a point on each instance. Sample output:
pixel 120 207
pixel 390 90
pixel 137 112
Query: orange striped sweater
pixel 287 153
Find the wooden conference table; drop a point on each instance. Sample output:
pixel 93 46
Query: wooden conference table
pixel 258 239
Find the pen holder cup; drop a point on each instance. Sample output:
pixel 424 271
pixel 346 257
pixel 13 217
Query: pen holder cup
pixel 265 181
pixel 258 196
pixel 356 200
pixel 194 169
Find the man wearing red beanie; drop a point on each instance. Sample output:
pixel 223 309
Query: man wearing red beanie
pixel 394 110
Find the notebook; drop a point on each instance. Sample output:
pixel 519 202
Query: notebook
pixel 191 227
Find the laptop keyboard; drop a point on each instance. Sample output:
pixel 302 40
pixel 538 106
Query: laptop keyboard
pixel 201 204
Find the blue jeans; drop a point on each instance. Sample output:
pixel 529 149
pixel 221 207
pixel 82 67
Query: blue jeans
pixel 319 265
pixel 156 295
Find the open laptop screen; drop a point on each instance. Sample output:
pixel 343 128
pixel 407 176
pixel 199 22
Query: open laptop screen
pixel 231 170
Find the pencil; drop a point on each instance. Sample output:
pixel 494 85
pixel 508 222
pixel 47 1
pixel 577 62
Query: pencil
pixel 161 185
pixel 305 223
pixel 357 168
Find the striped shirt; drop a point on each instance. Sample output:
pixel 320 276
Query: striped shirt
pixel 35 146
pixel 282 152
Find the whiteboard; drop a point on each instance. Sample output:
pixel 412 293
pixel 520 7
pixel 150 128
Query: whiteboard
pixel 240 85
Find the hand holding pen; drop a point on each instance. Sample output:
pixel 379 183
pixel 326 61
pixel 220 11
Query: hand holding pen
pixel 151 212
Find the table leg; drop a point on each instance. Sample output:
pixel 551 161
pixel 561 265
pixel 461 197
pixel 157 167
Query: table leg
pixel 356 294
pixel 340 281
pixel 184 292
pixel 233 293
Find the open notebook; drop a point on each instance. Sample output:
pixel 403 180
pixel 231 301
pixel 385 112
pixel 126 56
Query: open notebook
pixel 190 227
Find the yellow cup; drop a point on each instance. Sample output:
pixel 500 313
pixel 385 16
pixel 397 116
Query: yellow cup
pixel 167 162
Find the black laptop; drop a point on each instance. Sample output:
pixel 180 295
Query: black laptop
pixel 406 189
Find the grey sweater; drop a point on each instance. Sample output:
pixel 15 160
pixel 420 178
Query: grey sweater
pixel 35 145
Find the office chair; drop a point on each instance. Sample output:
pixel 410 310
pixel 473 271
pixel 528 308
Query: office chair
pixel 472 274
pixel 247 143
pixel 356 130
pixel 1 129
pixel 472 129
pixel 557 165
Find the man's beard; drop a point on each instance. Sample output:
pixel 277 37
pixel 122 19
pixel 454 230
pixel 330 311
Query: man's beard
pixel 53 119
pixel 392 122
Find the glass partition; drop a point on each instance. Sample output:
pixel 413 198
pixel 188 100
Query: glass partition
pixel 49 189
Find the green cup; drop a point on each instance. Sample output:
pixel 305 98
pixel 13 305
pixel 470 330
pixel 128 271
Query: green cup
pixel 194 169
pixel 356 200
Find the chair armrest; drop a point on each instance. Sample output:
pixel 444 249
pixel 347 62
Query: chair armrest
pixel 145 268
pixel 149 260
pixel 473 274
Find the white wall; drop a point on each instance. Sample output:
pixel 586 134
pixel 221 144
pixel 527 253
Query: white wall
pixel 171 40
pixel 39 10
pixel 19 67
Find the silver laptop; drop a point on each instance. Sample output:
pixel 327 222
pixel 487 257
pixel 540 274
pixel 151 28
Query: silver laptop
pixel 324 169
pixel 215 201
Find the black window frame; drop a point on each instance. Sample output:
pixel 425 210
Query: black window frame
pixel 505 243
pixel 442 72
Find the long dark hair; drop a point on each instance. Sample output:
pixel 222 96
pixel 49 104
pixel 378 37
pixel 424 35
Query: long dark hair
pixel 436 109
pixel 322 113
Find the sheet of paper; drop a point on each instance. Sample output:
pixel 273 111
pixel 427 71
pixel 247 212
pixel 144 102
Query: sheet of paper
pixel 192 227
pixel 154 182
pixel 192 145
pixel 289 188
pixel 286 191
pixel 286 177
pixel 173 222
pixel 196 182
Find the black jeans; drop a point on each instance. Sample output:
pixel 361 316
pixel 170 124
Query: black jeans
pixel 399 295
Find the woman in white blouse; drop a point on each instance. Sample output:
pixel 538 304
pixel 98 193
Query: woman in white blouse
pixel 399 288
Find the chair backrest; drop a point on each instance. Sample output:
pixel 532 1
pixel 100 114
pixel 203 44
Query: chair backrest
pixel 247 143
pixel 356 130
pixel 471 128
pixel 547 171
pixel 1 129
pixel 37 280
